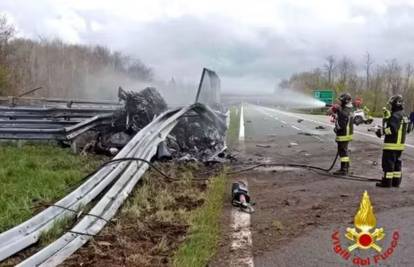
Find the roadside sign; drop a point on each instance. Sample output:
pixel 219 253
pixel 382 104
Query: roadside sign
pixel 326 96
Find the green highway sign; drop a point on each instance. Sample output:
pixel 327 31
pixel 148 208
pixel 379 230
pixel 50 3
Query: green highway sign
pixel 326 96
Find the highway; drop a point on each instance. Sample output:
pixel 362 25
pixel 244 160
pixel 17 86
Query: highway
pixel 299 210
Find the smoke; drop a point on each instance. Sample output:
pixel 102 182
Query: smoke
pixel 289 98
pixel 104 86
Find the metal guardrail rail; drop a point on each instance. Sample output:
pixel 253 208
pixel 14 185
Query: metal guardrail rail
pixel 45 102
pixel 125 174
pixel 55 122
pixel 50 130
pixel 28 232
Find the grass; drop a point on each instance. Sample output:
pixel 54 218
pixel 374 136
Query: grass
pixel 35 174
pixel 57 229
pixel 157 202
pixel 204 233
pixel 233 131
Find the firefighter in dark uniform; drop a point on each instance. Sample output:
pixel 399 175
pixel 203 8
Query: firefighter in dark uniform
pixel 395 128
pixel 344 130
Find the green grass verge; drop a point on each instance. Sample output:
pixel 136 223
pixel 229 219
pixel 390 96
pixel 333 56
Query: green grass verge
pixel 233 131
pixel 35 174
pixel 202 241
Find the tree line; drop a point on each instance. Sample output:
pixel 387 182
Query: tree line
pixel 374 82
pixel 61 69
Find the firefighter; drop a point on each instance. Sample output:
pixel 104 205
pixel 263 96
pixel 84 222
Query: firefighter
pixel 395 128
pixel 344 130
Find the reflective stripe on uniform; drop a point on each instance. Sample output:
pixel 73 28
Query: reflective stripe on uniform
pixel 397 174
pixel 400 134
pixel 344 138
pixel 347 129
pixel 344 159
pixel 386 114
pixel 388 146
pixel 389 175
pixel 387 131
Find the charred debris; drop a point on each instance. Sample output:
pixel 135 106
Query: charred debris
pixel 196 137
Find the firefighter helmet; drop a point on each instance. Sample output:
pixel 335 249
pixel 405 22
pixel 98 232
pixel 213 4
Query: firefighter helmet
pixel 396 101
pixel 345 98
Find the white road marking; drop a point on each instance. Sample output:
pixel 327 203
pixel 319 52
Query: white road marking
pixel 241 246
pixel 297 128
pixel 228 119
pixel 284 122
pixel 241 127
pixel 327 124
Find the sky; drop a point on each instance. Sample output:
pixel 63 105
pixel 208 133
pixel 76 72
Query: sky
pixel 252 45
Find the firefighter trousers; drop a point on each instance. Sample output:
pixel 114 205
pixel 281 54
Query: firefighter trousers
pixel 391 163
pixel 343 151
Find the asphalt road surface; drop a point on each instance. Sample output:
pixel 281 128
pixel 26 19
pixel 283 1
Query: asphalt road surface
pixel 299 210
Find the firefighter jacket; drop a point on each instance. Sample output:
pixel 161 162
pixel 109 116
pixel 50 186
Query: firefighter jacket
pixel 344 126
pixel 395 130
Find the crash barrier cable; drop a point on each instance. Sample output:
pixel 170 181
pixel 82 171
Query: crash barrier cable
pixel 78 211
pixel 126 159
pixel 138 159
pixel 80 233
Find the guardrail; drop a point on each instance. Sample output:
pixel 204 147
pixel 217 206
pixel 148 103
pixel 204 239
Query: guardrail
pixel 50 130
pixel 58 123
pixel 33 101
pixel 123 176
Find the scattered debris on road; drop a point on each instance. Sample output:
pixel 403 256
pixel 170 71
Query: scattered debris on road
pixel 263 146
pixel 300 120
pixel 292 144
pixel 305 133
pixel 320 127
pixel 240 197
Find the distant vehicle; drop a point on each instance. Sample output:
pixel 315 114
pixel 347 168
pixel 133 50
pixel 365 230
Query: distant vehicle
pixel 361 116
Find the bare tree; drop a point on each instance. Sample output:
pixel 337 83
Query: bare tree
pixel 6 33
pixel 368 63
pixel 345 68
pixel 393 71
pixel 330 68
pixel 408 89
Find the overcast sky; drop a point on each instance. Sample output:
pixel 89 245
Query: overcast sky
pixel 250 44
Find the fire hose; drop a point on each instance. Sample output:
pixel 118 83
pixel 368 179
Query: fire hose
pixel 319 170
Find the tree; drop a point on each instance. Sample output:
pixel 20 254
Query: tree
pixel 368 63
pixel 393 71
pixel 345 68
pixel 330 68
pixel 6 33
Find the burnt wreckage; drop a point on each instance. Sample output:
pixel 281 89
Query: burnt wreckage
pixel 107 127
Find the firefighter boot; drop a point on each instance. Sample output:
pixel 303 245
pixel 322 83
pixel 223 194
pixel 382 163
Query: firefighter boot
pixel 396 181
pixel 344 169
pixel 385 182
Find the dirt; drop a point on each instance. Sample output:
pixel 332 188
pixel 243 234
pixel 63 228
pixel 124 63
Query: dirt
pixel 151 237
